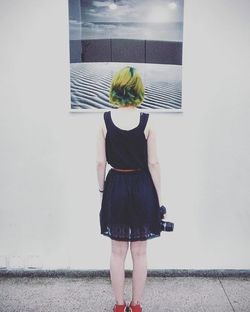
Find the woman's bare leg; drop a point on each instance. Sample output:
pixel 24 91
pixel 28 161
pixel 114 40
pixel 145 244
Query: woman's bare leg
pixel 139 257
pixel 117 259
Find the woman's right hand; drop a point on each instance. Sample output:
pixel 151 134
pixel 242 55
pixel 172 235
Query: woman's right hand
pixel 165 214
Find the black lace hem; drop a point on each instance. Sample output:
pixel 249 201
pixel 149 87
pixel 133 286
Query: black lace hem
pixel 127 233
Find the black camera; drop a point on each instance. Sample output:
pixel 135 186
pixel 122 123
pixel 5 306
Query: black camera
pixel 165 225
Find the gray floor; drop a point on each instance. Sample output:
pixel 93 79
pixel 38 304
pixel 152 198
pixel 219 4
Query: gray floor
pixel 161 294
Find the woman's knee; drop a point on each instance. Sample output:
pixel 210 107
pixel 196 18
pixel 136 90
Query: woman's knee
pixel 138 248
pixel 119 248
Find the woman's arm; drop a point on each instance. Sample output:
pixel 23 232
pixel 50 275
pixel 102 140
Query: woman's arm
pixel 153 162
pixel 101 161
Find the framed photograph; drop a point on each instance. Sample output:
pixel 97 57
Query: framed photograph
pixel 106 36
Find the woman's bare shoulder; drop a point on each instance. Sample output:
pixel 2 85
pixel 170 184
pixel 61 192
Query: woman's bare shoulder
pixel 148 126
pixel 151 124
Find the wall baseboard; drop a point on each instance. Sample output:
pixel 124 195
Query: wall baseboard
pixel 128 273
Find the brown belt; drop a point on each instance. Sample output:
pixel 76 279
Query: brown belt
pixel 126 170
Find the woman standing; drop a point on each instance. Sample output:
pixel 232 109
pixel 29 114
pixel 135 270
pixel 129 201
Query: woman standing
pixel 130 194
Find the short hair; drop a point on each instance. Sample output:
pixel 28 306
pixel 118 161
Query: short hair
pixel 126 88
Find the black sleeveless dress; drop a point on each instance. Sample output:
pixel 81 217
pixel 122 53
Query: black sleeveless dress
pixel 130 208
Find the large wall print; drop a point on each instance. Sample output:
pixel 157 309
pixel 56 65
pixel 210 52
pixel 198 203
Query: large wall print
pixel 106 36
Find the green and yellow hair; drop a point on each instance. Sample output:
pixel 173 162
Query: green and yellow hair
pixel 126 88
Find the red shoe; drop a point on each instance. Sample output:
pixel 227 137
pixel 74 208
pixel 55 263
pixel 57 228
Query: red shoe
pixel 120 308
pixel 135 308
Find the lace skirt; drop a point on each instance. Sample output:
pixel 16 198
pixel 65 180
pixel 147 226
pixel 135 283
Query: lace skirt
pixel 130 209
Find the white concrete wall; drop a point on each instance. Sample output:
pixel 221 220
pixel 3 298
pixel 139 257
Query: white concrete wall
pixel 49 213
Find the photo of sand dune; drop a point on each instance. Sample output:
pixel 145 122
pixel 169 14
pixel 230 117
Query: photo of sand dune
pixel 89 90
pixel 106 36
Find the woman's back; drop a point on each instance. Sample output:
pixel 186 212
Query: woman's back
pixel 127 119
pixel 126 147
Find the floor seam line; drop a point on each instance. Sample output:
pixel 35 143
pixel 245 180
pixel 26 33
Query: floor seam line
pixel 226 294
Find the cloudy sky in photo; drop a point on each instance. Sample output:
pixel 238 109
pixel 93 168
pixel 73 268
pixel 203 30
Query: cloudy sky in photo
pixel 127 19
pixel 140 11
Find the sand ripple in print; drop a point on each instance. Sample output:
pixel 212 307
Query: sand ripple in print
pixel 90 84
